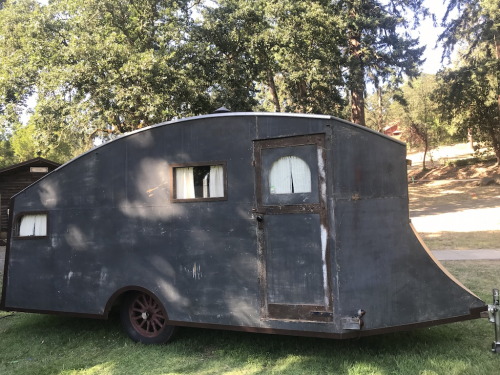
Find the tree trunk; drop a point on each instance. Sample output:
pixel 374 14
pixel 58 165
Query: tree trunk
pixel 426 148
pixel 274 91
pixel 358 105
pixel 495 142
pixel 356 79
pixel 380 112
pixel 421 132
pixel 496 136
pixel 470 138
pixel 302 95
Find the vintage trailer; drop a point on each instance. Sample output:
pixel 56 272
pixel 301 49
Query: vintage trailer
pixel 274 223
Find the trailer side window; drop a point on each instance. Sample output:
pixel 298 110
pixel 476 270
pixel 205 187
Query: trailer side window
pixel 32 225
pixel 289 175
pixel 199 182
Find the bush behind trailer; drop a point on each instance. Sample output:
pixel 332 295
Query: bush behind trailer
pixel 274 223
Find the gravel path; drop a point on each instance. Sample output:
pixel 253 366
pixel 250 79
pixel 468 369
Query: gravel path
pixel 481 254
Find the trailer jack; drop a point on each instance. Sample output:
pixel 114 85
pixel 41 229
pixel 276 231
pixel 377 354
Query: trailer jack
pixel 494 317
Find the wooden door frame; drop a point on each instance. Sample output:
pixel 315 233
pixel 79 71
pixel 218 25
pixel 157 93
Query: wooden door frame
pixel 306 312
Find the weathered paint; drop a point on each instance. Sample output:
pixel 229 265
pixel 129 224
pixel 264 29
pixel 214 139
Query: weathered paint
pixel 115 226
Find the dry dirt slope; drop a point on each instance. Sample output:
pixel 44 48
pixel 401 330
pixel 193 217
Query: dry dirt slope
pixel 448 205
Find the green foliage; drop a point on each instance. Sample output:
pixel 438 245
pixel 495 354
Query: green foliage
pixel 469 93
pixel 6 154
pixel 104 67
pixel 410 105
pixel 308 52
pixel 305 56
pixel 274 56
pixel 415 107
pixel 229 52
pixel 469 161
pixel 27 143
pixel 98 67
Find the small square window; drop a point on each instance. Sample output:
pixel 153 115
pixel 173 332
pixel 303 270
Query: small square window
pixel 32 225
pixel 199 182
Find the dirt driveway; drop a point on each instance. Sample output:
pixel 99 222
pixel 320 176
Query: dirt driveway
pixel 456 214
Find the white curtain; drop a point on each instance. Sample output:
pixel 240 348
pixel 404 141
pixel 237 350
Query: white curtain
pixel 205 186
pixel 280 177
pixel 216 181
pixel 33 225
pixel 288 175
pixel 301 175
pixel 184 183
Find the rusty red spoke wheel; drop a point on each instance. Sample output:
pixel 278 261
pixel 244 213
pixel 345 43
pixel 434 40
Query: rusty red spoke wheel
pixel 145 320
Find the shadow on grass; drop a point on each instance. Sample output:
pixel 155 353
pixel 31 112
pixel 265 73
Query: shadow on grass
pixel 63 345
pixel 450 196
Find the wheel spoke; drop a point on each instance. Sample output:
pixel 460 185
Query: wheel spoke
pixel 137 319
pixel 158 326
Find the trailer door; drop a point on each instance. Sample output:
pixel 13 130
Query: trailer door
pixel 292 228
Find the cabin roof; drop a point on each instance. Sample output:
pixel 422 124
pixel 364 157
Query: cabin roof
pixel 36 162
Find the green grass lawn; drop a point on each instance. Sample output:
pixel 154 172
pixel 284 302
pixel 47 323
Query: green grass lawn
pixel 42 344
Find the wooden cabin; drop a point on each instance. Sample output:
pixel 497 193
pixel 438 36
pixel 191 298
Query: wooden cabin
pixel 16 177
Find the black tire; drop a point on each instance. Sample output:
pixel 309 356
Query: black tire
pixel 144 319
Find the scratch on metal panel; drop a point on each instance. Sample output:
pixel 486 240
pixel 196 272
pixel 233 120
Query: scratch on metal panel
pixel 103 276
pixel 151 192
pixel 197 274
pixel 322 175
pixel 70 275
pixel 324 237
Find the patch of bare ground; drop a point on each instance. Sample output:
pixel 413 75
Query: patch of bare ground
pixel 480 170
pixel 456 207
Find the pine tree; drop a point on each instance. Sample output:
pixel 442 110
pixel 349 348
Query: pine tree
pixel 378 46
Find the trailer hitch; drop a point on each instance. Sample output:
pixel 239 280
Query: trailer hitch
pixel 494 317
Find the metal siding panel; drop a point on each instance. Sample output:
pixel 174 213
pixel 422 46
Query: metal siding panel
pixel 112 221
pixel 294 259
pixel 272 127
pixel 383 270
pixel 367 166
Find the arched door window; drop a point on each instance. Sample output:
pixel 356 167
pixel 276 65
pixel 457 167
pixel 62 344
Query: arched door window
pixel 289 175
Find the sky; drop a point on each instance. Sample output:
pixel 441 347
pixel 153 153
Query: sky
pixel 428 35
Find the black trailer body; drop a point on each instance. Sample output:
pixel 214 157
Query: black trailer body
pixel 273 223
